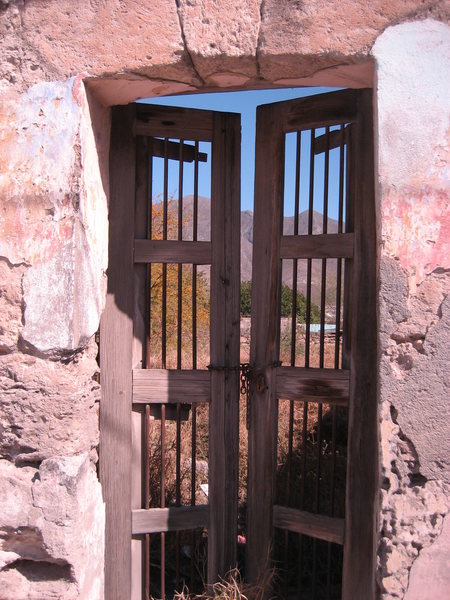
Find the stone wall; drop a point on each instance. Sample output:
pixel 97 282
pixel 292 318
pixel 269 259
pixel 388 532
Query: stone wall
pixel 61 64
pixel 413 63
pixel 53 256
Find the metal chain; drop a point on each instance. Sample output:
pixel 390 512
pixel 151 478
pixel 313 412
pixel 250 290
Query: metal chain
pixel 245 389
pixel 247 373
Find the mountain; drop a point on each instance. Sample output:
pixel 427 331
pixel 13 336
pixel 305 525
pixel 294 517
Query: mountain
pixel 247 223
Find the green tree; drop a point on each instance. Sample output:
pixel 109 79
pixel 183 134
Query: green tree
pixel 286 303
pixel 246 298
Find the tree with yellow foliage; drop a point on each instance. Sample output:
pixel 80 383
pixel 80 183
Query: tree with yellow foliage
pixel 173 291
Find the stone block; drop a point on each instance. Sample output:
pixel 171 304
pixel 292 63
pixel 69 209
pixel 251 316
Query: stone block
pixel 10 305
pixel 319 34
pixel 222 38
pixel 48 407
pixel 44 510
pixel 53 187
pixel 135 35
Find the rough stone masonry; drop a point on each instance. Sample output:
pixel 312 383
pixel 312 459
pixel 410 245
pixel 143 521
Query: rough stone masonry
pixel 62 64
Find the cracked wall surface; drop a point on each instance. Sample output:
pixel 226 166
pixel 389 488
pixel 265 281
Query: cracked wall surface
pixel 53 258
pixel 57 76
pixel 413 147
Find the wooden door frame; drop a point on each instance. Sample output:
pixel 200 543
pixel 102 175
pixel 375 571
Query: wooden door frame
pixel 116 367
pixel 362 487
pixel 120 428
pixel 273 121
pixel 116 325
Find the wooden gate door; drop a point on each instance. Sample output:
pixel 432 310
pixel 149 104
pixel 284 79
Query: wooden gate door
pixel 305 501
pixel 158 326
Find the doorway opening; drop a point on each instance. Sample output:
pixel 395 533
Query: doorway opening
pixel 245 379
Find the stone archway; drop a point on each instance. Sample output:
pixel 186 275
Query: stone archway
pixel 58 79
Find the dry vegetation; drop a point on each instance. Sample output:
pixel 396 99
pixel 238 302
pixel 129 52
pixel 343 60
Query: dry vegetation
pixel 231 588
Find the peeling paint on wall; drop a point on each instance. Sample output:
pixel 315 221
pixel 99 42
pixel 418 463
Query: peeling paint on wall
pixel 413 63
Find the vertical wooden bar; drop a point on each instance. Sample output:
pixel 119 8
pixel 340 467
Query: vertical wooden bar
pixel 309 267
pixel 350 177
pixel 149 266
pixel 194 360
pixel 307 345
pixel 116 359
pixel 148 366
pixel 147 501
pixel 179 358
pixel 293 343
pixel 321 351
pixel 193 483
pixel 264 347
pixel 180 266
pixel 225 340
pixel 163 498
pixel 307 341
pixel 295 261
pixel 164 265
pixel 194 267
pixel 302 490
pixel 336 347
pixel 339 260
pixel 139 446
pixel 362 467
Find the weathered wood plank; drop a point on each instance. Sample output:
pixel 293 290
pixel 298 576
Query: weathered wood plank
pixel 269 171
pixel 322 527
pixel 320 142
pixel 183 123
pixel 173 151
pixel 137 546
pixel 172 251
pixel 362 466
pixel 325 245
pixel 225 340
pixel 272 122
pixel 116 358
pixel 348 268
pixel 177 518
pixel 313 385
pixel 138 419
pixel 169 386
pixel 322 110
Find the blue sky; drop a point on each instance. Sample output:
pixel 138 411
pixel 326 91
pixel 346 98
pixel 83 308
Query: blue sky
pixel 245 103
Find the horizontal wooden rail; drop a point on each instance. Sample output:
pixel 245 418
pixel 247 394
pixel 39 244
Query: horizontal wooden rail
pixel 172 251
pixel 322 527
pixel 324 245
pixel 327 109
pixel 335 138
pixel 181 123
pixel 159 147
pixel 177 518
pixel 169 386
pixel 313 385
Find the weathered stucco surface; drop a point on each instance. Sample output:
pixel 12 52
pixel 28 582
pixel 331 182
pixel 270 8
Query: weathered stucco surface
pixel 168 46
pixel 36 560
pixel 413 67
pixel 53 249
pixel 54 139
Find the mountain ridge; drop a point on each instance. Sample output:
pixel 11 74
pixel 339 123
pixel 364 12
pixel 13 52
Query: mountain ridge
pixel 246 239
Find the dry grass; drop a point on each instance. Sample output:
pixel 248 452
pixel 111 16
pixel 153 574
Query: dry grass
pixel 231 588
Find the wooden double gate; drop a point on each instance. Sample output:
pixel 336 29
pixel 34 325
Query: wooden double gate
pixel 156 244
